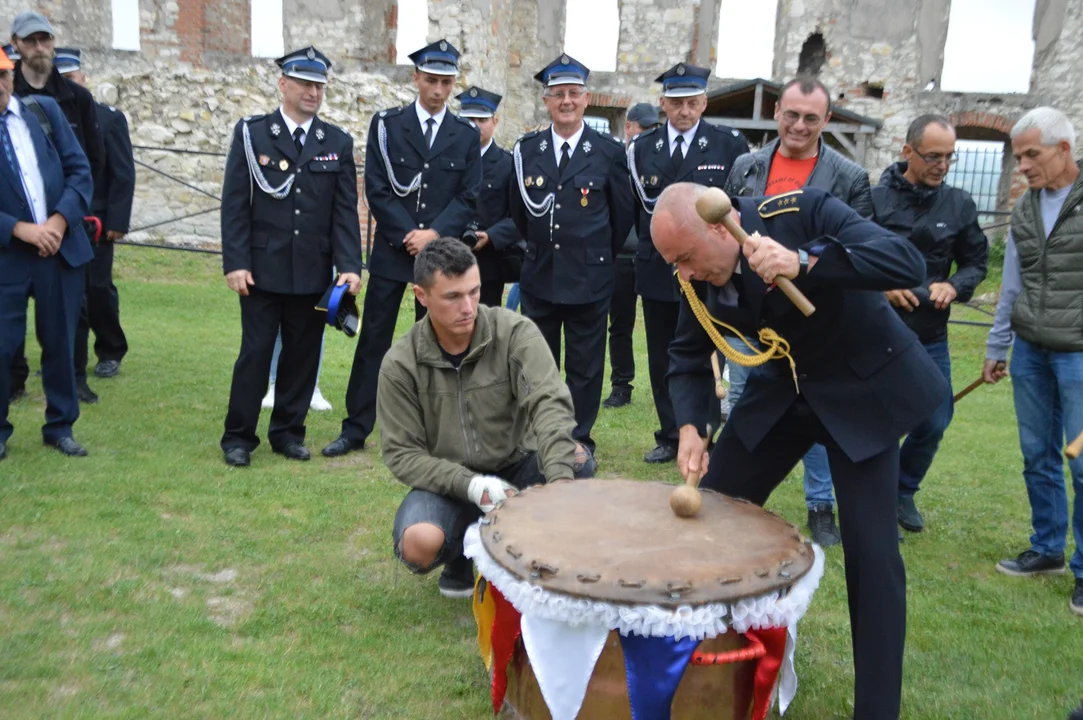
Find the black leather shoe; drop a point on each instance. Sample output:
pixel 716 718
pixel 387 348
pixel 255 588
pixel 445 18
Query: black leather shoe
pixel 909 516
pixel 661 454
pixel 107 368
pixel 821 523
pixel 68 446
pixel 342 445
pixel 619 397
pixel 294 451
pixel 86 395
pixel 238 457
pixel 3 450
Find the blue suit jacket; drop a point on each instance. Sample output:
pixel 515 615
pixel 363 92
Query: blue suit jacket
pixel 68 188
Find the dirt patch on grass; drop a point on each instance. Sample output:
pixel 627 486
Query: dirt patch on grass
pixel 229 604
pixel 229 611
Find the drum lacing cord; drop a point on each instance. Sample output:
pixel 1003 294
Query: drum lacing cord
pixel 776 346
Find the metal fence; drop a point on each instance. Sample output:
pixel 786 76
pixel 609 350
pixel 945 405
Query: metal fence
pixel 977 170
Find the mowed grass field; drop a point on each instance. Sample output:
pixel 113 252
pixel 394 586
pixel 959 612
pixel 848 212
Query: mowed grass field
pixel 150 580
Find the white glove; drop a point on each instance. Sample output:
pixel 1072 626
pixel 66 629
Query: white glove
pixel 497 489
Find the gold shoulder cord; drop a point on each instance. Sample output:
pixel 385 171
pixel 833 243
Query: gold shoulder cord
pixel 776 345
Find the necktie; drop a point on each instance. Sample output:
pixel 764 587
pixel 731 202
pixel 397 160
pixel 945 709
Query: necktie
pixel 297 135
pixel 429 125
pixel 678 156
pixel 9 148
pixel 565 153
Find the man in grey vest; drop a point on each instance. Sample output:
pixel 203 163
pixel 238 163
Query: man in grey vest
pixel 1039 304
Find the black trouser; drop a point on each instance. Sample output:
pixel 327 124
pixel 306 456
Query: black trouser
pixel 20 369
pixel 584 352
pixel 262 313
pixel 660 321
pixel 867 493
pixel 102 312
pixel 378 318
pixel 492 293
pixel 622 320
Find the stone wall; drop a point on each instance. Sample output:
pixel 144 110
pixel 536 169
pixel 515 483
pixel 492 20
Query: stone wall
pixel 193 77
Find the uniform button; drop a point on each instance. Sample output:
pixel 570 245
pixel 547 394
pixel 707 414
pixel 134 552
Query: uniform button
pixel 556 227
pixel 296 212
pixel 426 166
pixel 560 187
pixel 422 206
pixel 296 232
pixel 601 259
pixel 425 186
pixel 557 246
pixel 490 184
pixel 889 351
pixel 591 184
pixel 421 225
pixel 402 159
pixel 298 191
pixel 558 206
pixel 298 171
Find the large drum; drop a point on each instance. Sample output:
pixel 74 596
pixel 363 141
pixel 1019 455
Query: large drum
pixel 596 601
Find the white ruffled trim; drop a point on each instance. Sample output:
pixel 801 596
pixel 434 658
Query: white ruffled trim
pixel 774 610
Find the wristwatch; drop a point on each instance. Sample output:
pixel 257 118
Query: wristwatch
pixel 802 260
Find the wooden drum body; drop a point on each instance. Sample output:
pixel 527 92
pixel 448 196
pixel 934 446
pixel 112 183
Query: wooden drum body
pixel 609 556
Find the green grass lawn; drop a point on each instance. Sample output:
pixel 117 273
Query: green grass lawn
pixel 151 580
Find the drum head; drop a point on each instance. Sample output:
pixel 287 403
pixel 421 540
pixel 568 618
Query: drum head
pixel 617 541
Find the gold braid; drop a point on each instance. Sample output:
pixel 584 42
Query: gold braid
pixel 777 346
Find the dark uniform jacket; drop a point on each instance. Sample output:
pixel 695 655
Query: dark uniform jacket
pixel 79 108
pixel 860 369
pixel 833 173
pixel 501 259
pixel 113 194
pixel 445 199
pixel 942 222
pixel 707 161
pixel 290 245
pixel 570 249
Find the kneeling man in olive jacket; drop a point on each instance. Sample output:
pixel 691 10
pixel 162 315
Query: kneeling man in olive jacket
pixel 463 399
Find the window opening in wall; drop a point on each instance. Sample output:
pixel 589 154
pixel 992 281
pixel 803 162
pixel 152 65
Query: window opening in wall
pixel 990 46
pixel 601 124
pixel 977 170
pixel 749 53
pixel 813 55
pixel 413 28
pixel 267 36
pixel 873 90
pixel 125 24
pixel 592 32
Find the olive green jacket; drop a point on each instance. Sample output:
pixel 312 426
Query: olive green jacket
pixel 440 426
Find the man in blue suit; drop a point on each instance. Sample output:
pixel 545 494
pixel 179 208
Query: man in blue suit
pixel 45 191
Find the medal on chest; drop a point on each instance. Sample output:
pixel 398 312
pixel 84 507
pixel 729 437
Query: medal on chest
pixel 584 202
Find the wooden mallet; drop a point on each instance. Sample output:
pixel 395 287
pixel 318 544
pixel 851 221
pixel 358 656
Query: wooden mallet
pixel 719 388
pixel 685 500
pixel 714 207
pixel 1075 448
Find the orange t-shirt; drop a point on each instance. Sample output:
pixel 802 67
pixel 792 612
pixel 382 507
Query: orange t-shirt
pixel 788 174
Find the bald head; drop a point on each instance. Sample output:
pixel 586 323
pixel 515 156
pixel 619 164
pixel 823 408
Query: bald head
pixel 700 250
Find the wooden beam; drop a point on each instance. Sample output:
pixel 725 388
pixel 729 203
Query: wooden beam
pixel 846 143
pixel 757 104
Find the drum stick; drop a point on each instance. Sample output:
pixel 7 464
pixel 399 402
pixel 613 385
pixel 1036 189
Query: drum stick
pixel 1075 448
pixel 719 388
pixel 714 207
pixel 968 389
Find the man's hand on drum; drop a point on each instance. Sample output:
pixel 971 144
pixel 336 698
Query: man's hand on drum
pixel 692 457
pixel 487 491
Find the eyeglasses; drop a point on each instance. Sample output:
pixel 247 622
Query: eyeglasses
pixel 565 94
pixel 792 117
pixel 937 158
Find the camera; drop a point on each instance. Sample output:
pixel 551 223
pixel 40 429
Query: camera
pixel 470 235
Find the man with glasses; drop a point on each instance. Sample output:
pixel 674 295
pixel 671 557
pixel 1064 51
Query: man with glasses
pixel 572 202
pixel 913 200
pixel 799 158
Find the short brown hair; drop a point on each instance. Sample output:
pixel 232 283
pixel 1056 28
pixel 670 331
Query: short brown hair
pixel 807 84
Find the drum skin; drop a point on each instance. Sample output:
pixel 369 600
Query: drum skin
pixel 707 692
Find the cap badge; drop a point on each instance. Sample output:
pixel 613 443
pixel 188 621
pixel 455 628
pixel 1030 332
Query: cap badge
pixel 473 92
pixel 311 54
pixel 565 59
pixel 680 69
pixel 443 46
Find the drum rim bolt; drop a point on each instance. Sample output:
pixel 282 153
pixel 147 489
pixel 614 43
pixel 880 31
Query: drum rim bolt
pixel 674 588
pixel 763 573
pixel 539 569
pixel 591 578
pixel 496 536
pixel 730 580
pixel 783 574
pixel 635 584
pixel 513 552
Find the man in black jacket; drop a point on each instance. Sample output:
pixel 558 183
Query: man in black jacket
pixel 493 236
pixel 854 379
pixel 942 221
pixel 35 74
pixel 289 215
pixel 113 195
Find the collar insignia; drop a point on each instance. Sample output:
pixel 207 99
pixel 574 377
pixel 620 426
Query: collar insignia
pixel 586 146
pixel 702 143
pixel 658 145
pixel 276 129
pixel 319 134
pixel 543 146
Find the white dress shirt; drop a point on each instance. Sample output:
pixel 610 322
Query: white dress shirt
pixel 423 115
pixel 573 142
pixel 487 146
pixel 291 125
pixel 688 136
pixel 23 144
